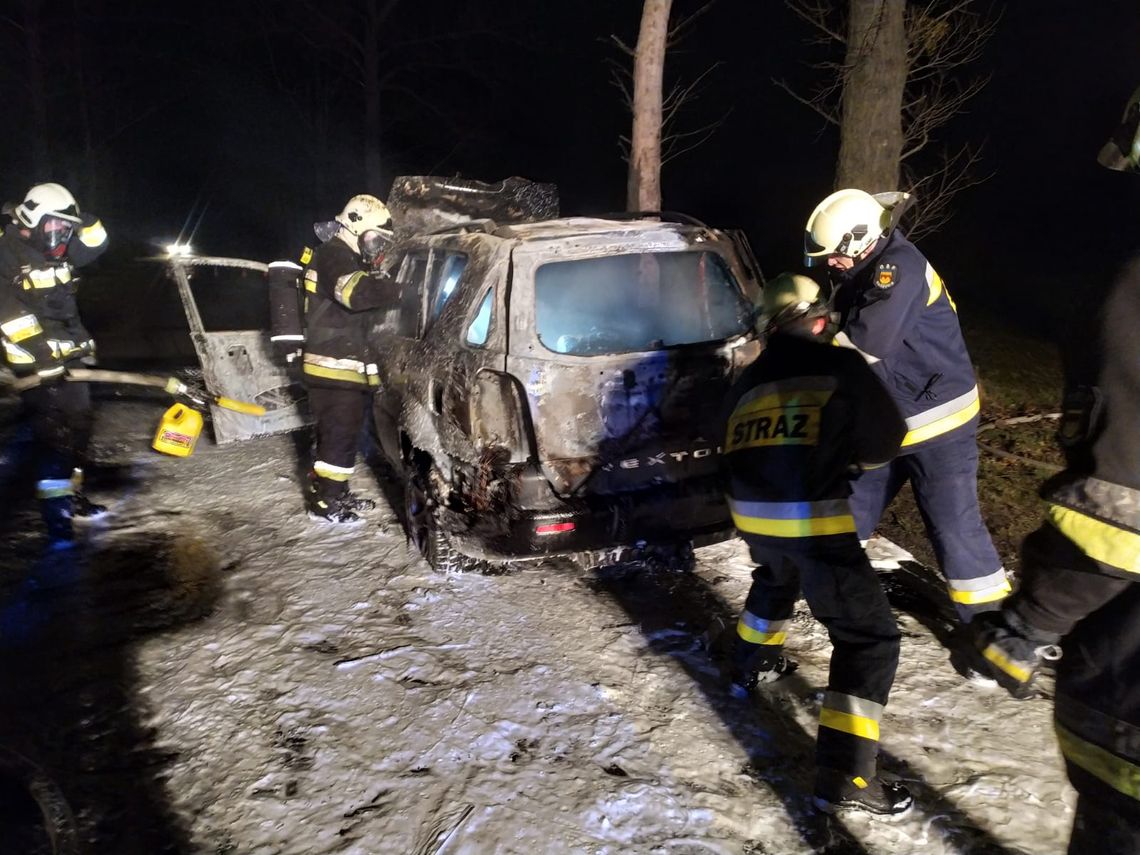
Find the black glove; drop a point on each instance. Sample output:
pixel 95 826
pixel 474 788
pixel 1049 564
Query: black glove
pixel 1006 648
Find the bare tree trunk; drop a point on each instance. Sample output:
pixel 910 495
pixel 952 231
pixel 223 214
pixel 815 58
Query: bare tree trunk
pixel 372 163
pixel 644 189
pixel 871 136
pixel 38 138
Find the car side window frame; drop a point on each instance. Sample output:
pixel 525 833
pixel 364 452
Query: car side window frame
pixel 408 301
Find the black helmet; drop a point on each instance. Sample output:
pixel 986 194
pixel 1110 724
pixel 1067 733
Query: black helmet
pixel 1122 151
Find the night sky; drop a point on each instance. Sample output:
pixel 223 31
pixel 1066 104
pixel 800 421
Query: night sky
pixel 196 116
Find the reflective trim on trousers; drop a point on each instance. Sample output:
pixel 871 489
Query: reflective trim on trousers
pixel 982 589
pixel 54 488
pixel 792 519
pixel 942 419
pixel 849 714
pixel 1100 541
pixel 332 473
pixel 757 630
pixel 1118 773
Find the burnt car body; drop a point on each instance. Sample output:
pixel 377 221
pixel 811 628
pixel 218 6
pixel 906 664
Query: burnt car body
pixel 553 387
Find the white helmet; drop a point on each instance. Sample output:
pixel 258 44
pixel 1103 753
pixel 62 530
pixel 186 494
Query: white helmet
pixel 845 223
pixel 363 213
pixel 47 200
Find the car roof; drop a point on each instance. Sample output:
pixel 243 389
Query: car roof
pixel 589 226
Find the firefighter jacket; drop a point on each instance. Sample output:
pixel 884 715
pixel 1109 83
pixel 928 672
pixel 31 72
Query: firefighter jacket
pixel 896 311
pixel 39 319
pixel 801 421
pixel 338 290
pixel 1089 589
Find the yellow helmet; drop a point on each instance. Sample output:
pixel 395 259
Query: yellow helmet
pixel 845 223
pixel 791 296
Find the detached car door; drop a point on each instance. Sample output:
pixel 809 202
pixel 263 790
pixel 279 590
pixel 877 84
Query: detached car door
pixel 227 308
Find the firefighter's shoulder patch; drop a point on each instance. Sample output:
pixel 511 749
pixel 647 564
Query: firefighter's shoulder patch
pixel 885 276
pixel 306 255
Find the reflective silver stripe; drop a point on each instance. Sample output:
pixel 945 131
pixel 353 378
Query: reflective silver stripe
pixel 761 625
pixel 288 264
pixel 852 705
pixel 54 488
pixel 942 410
pixel 344 285
pixel 335 364
pixel 795 384
pixel 286 338
pixel 843 340
pixel 790 510
pixel 51 372
pixel 42 278
pixel 981 583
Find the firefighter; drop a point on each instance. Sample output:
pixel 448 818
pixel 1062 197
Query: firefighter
pixel 802 420
pixel 343 280
pixel 896 311
pixel 1080 580
pixel 49 237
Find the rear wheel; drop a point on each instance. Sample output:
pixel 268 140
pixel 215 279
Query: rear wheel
pixel 424 531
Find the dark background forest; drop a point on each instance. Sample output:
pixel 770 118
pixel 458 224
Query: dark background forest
pixel 239 124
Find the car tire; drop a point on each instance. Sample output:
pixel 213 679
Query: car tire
pixel 425 534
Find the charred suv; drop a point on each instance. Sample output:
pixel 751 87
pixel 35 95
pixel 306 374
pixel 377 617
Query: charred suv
pixel 553 387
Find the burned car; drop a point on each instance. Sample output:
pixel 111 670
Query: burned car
pixel 552 387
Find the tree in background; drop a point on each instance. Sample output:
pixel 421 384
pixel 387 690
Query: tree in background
pixel 899 82
pixel 654 139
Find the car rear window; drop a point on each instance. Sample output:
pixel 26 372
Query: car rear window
pixel 637 302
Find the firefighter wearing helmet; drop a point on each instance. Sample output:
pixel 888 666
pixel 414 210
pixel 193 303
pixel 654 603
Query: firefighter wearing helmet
pixel 343 281
pixel 46 239
pixel 896 311
pixel 1080 581
pixel 800 421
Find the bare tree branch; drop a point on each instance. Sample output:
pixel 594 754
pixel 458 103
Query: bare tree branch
pixel 831 116
pixel 679 30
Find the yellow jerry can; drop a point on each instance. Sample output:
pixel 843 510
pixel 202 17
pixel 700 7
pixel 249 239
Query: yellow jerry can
pixel 178 432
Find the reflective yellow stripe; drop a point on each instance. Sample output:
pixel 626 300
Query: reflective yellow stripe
pixel 1000 660
pixel 306 256
pixel 21 328
pixel 970 598
pixel 335 373
pixel 795 528
pixel 311 281
pixel 16 354
pixel 1120 774
pixel 982 589
pixel 856 725
pixel 1101 541
pixel 330 472
pixel 942 425
pixel 42 279
pixel 93 235
pixel 758 630
pixel 934 282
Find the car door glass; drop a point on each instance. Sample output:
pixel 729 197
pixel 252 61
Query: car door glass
pixel 446 273
pixel 480 327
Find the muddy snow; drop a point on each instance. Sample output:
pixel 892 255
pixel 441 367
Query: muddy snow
pixel 212 672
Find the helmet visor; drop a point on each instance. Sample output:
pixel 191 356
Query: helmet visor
pixel 54 235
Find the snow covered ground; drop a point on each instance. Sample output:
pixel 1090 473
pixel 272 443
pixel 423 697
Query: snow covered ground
pixel 215 673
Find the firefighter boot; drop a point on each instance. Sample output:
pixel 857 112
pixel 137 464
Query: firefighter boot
pixel 1010 651
pixel 56 513
pixel 837 791
pixel 328 504
pixel 749 666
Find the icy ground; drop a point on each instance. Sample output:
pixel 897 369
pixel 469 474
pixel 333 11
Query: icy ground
pixel 213 673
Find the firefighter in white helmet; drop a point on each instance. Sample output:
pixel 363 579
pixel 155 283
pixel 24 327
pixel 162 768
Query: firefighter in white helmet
pixel 47 238
pixel 343 281
pixel 801 421
pixel 897 312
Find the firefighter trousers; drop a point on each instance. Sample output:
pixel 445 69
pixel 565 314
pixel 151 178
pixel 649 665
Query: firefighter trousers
pixel 944 479
pixel 61 419
pixel 845 595
pixel 339 414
